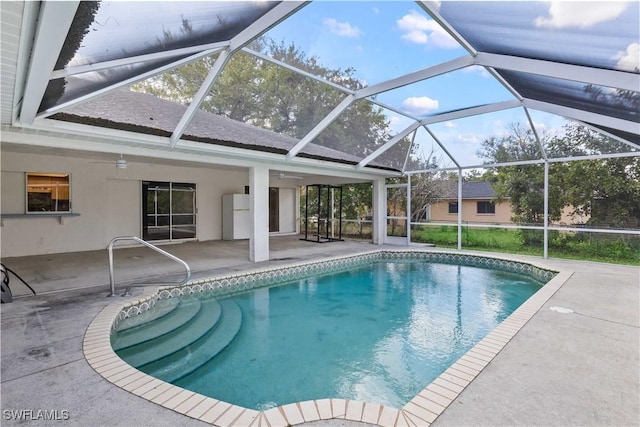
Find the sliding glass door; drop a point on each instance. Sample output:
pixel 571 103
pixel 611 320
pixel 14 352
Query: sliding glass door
pixel 168 210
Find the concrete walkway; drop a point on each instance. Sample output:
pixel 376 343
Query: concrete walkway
pixel 579 368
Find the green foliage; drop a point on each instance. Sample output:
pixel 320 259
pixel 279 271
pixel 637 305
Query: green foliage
pixel 582 246
pixel 357 200
pixel 258 92
pixel 522 185
pixel 607 190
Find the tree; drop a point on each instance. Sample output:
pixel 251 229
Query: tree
pixel 260 93
pixel 607 190
pixel 522 185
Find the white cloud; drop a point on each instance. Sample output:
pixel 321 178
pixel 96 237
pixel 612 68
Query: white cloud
pixel 419 105
pixel 629 60
pixel 376 10
pixel 450 125
pixel 416 36
pixel 470 138
pixel 419 29
pixel 563 14
pixel 343 29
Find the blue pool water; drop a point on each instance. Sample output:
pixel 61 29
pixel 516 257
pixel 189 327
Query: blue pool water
pixel 378 333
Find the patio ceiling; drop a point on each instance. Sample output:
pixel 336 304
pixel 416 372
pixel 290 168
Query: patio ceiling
pixel 585 71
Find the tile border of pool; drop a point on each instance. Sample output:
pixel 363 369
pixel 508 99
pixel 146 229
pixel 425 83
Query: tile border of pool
pixel 422 410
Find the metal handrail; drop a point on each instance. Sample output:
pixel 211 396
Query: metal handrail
pixel 149 245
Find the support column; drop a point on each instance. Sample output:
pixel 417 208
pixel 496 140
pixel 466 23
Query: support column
pixel 408 210
pixel 379 225
pixel 546 210
pixel 259 205
pixel 459 209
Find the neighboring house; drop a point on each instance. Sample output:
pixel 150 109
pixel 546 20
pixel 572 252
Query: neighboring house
pixel 479 205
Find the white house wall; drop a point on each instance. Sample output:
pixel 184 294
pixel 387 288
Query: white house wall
pixel 107 200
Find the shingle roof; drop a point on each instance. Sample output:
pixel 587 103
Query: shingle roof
pixel 472 190
pixel 144 113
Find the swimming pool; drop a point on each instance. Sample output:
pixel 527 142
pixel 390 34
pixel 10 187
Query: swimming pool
pixel 377 332
pixel 420 410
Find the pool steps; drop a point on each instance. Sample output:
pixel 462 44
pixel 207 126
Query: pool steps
pixel 162 324
pixel 182 363
pixel 160 309
pixel 179 338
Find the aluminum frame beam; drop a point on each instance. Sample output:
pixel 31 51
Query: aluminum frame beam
pixel 81 69
pixel 123 83
pixel 583 116
pixel 531 162
pixel 296 70
pixel 472 111
pixel 441 145
pixel 387 145
pixel 324 123
pixel 579 73
pixel 54 22
pixel 504 83
pixel 264 23
pixel 432 9
pixel 407 79
pixel 535 134
pixel 610 135
pixel 406 158
pixel 204 89
pixel 27 35
pixel 257 28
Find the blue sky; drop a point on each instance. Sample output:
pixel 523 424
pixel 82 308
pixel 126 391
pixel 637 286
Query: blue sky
pixel 383 40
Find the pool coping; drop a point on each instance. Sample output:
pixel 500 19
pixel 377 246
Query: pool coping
pixel 422 410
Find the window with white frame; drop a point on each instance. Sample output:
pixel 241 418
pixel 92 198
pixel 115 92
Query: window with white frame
pixel 48 192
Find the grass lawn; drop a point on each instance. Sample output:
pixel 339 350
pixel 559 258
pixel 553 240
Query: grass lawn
pixel 618 249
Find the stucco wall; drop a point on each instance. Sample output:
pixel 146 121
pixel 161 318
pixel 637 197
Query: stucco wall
pixel 108 201
pixel 440 212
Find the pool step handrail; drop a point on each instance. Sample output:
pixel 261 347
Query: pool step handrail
pixel 150 246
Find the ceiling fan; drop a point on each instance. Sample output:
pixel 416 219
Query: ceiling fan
pixel 282 175
pixel 122 163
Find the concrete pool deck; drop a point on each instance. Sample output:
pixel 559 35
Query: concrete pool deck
pixel 577 368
